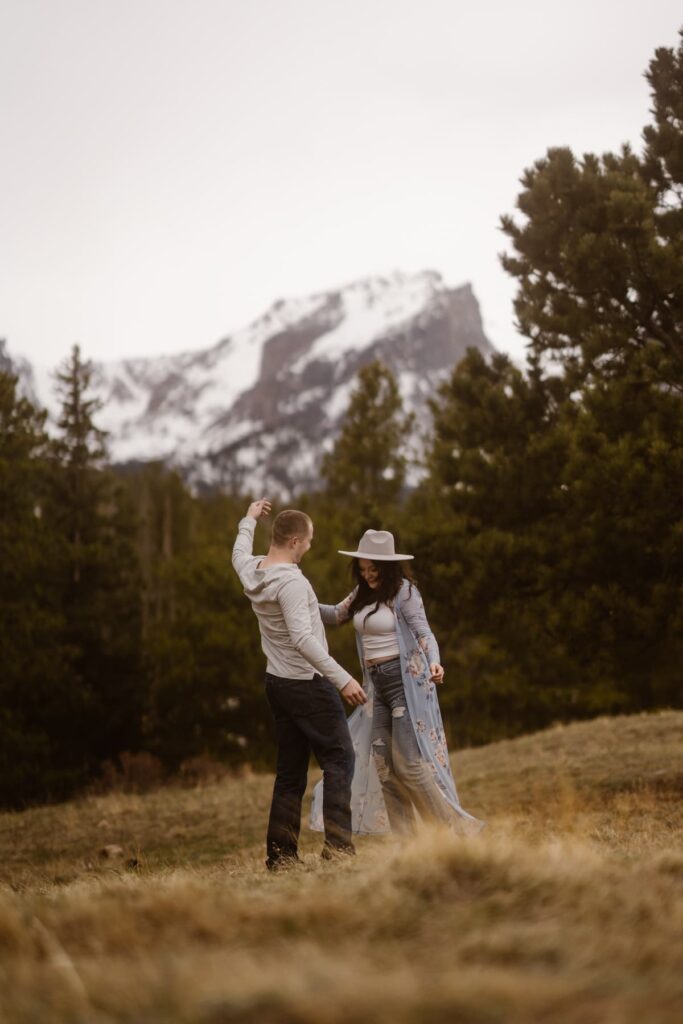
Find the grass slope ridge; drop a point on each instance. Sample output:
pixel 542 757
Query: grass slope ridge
pixel 569 907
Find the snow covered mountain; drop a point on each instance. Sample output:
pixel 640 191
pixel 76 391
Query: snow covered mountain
pixel 256 410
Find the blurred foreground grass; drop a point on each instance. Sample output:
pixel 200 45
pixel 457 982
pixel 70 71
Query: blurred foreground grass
pixel 568 908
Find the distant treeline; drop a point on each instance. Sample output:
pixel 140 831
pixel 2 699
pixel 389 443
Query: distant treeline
pixel 547 527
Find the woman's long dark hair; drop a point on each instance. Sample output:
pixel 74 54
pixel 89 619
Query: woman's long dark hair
pixel 390 575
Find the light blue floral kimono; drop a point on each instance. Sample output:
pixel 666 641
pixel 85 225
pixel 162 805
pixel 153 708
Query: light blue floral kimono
pixel 418 649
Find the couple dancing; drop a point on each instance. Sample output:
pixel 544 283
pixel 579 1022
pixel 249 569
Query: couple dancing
pixel 390 756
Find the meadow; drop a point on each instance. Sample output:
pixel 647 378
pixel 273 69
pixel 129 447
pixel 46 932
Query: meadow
pixel 567 909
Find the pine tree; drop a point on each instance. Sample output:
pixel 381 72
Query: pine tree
pixel 599 252
pixel 482 526
pixel 101 577
pixel 81 452
pixel 664 139
pixel 365 471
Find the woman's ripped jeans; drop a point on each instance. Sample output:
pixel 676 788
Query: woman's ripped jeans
pixel 407 779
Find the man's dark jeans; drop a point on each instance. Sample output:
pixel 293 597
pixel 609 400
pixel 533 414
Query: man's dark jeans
pixel 309 717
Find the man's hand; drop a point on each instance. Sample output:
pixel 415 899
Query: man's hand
pixel 437 672
pixel 259 509
pixel 354 694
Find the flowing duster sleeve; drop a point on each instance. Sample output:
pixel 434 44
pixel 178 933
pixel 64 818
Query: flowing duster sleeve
pixel 414 613
pixel 336 614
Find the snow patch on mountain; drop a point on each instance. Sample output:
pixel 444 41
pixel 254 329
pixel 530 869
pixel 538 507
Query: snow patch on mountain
pixel 372 309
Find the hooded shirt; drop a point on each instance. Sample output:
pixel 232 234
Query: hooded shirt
pixel 292 632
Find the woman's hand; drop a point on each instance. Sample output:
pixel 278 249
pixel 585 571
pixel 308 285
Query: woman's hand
pixel 437 672
pixel 258 509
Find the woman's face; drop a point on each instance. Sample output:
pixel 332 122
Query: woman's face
pixel 369 572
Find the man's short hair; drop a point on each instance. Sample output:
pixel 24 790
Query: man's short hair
pixel 288 524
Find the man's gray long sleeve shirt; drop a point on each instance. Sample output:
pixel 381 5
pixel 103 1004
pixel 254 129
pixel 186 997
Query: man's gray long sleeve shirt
pixel 292 633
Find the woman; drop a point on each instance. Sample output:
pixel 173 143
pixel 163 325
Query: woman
pixel 401 754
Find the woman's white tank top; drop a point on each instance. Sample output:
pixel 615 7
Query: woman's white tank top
pixel 378 631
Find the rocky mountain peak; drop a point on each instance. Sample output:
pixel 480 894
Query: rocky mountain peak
pixel 251 411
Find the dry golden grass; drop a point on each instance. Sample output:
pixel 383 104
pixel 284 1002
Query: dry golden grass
pixel 568 908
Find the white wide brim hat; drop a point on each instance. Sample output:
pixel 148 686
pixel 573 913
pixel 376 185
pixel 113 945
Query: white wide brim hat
pixel 377 546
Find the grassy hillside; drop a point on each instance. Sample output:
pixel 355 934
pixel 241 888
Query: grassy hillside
pixel 568 908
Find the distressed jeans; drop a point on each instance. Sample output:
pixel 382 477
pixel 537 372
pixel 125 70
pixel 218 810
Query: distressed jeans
pixel 406 778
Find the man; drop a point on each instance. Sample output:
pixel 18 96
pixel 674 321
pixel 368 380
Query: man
pixel 303 684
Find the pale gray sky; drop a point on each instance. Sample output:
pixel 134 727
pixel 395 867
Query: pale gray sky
pixel 171 167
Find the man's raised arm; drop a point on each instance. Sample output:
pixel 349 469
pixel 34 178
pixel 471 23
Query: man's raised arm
pixel 242 549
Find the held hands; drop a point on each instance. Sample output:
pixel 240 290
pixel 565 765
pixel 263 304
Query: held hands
pixel 437 672
pixel 259 509
pixel 354 694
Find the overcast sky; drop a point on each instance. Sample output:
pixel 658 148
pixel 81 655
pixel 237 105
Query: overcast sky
pixel 171 167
